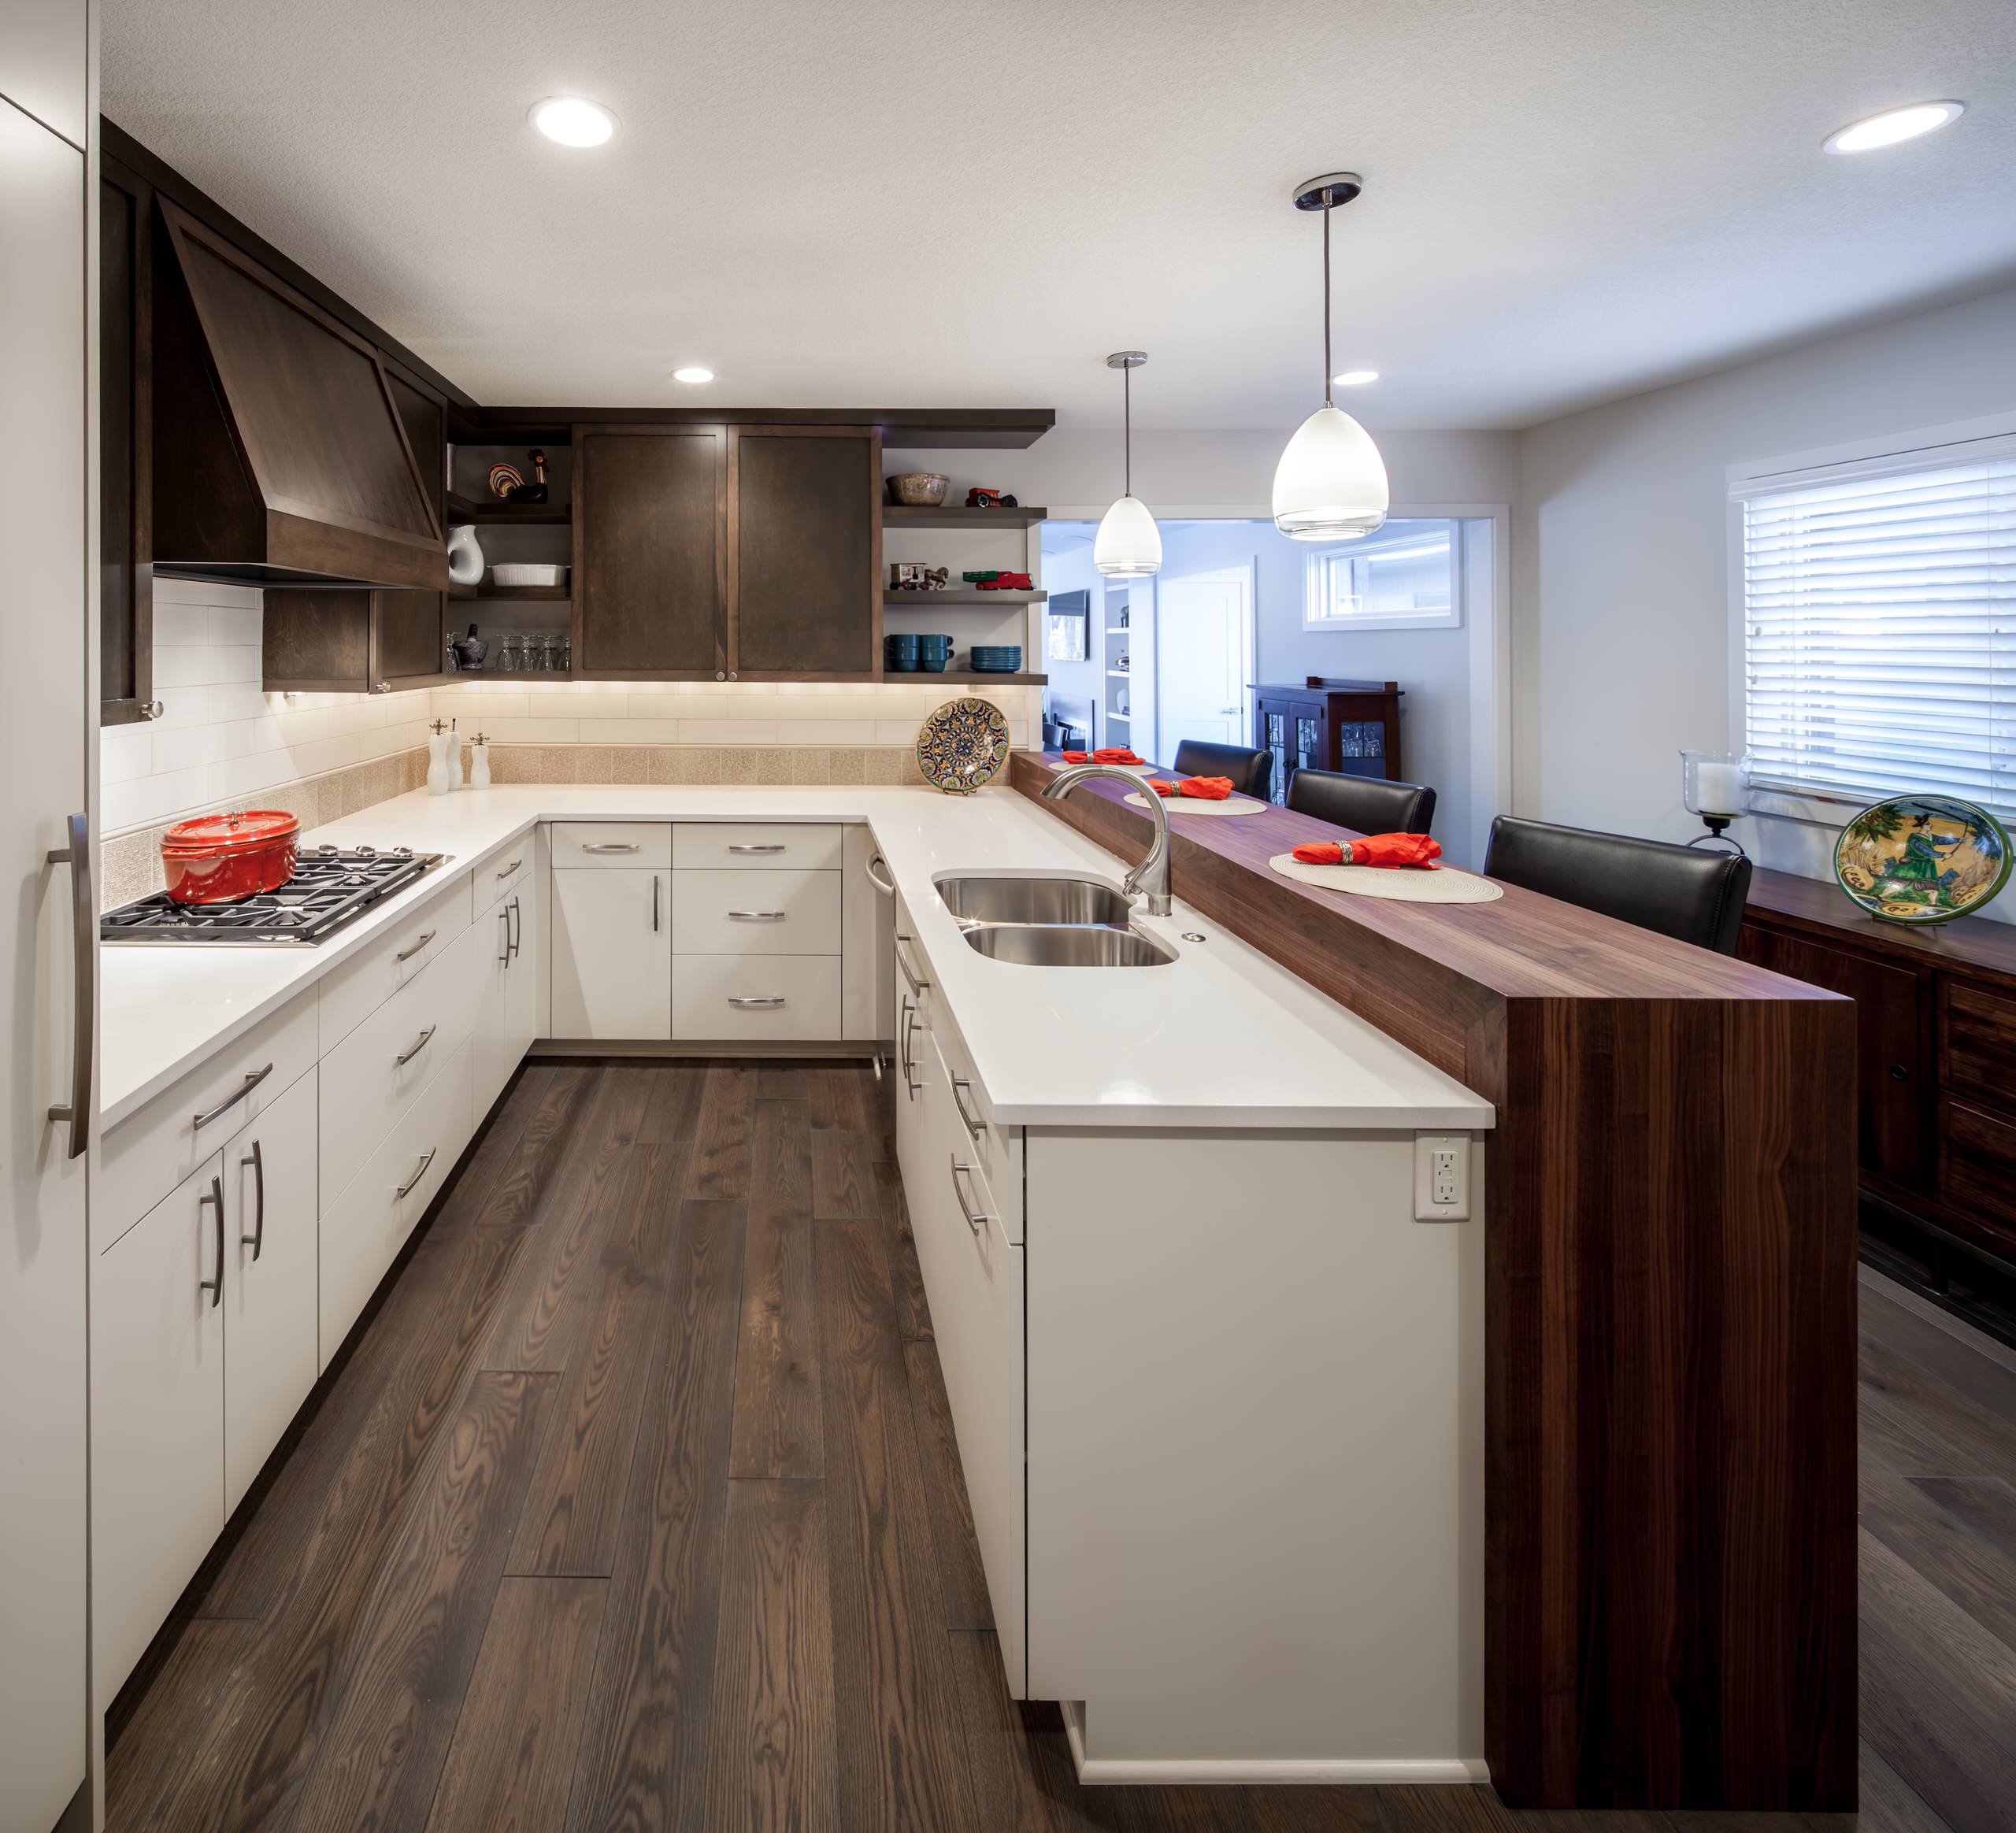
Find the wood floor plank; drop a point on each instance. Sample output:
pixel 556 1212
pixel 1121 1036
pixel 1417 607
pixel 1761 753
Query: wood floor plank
pixel 840 1098
pixel 648 1707
pixel 1985 1380
pixel 779 1426
pixel 187 1688
pixel 573 1514
pixel 906 1277
pixel 1938 1695
pixel 1889 1804
pixel 720 1145
pixel 843 1176
pixel 672 1111
pixel 512 1758
pixel 902 1762
pixel 540 1146
pixel 353 1465
pixel 397 1696
pixel 1972 1435
pixel 961 1578
pixel 518 1113
pixel 770 1761
pixel 1960 1535
pixel 783 1082
pixel 1019 1786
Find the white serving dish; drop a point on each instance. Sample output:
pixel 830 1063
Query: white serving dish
pixel 519 572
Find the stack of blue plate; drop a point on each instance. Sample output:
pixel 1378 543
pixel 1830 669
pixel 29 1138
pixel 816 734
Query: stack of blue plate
pixel 899 654
pixel 996 659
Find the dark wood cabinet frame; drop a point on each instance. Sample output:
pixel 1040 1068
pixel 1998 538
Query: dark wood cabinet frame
pixel 125 575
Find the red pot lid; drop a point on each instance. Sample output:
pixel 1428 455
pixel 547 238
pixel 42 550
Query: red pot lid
pixel 222 836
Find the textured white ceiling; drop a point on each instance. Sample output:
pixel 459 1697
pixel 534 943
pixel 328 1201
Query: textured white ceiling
pixel 941 202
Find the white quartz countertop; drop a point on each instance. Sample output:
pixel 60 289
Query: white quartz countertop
pixel 1220 1037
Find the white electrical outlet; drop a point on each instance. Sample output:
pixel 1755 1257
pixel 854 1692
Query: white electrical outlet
pixel 1441 1177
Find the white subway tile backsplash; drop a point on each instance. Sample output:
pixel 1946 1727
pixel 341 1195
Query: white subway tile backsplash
pixel 125 752
pixel 629 731
pixel 828 731
pixel 535 731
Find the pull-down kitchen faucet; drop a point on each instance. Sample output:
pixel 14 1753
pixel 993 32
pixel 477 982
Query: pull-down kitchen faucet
pixel 1150 877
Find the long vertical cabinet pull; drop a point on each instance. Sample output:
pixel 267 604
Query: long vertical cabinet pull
pixel 83 1019
pixel 256 1159
pixel 655 903
pixel 517 927
pixel 215 1287
pixel 504 939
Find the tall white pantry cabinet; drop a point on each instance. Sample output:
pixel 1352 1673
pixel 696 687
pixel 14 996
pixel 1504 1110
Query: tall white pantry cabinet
pixel 48 912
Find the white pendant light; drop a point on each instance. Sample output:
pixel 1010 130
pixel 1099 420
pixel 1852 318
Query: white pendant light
pixel 1129 545
pixel 1331 483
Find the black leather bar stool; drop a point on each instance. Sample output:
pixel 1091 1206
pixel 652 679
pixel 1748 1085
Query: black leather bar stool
pixel 1248 770
pixel 1368 805
pixel 1690 893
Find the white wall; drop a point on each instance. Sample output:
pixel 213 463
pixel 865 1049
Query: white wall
pixel 1622 647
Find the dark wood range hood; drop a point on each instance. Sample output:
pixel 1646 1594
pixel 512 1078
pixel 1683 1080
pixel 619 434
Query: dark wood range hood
pixel 279 459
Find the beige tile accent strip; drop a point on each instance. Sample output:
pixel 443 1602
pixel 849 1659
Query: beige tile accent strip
pixel 130 865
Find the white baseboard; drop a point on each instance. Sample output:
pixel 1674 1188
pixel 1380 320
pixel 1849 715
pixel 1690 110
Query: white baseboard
pixel 1124 1772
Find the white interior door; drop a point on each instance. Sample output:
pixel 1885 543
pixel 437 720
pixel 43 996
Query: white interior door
pixel 44 704
pixel 1204 623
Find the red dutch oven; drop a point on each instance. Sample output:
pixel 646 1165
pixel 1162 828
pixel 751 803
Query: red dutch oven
pixel 218 859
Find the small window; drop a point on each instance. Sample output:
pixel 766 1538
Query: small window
pixel 1402 578
pixel 1879 603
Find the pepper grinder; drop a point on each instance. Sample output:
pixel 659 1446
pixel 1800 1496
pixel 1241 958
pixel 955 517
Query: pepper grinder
pixel 479 761
pixel 439 778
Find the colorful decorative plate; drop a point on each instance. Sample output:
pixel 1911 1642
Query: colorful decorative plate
pixel 963 745
pixel 1922 858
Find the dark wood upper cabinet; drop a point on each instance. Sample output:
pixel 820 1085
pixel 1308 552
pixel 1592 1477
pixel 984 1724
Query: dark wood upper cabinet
pixel 125 605
pixel 805 551
pixel 409 629
pixel 280 458
pixel 650 563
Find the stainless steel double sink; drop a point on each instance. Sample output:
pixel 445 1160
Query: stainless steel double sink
pixel 1050 922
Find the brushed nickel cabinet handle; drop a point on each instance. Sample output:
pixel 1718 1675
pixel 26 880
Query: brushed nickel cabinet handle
pixel 517 925
pixel 418 947
pixel 655 903
pixel 424 1039
pixel 256 1159
pixel 605 846
pixel 756 916
pixel 504 939
pixel 214 1287
pixel 83 1010
pixel 886 886
pixel 918 984
pixel 771 999
pixel 974 1125
pixel 515 863
pixel 753 846
pixel 406 1189
pixel 976 1223
pixel 251 1082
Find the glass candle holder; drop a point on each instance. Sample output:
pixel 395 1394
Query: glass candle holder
pixel 1715 785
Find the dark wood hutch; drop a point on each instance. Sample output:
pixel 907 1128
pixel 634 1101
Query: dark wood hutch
pixel 1352 726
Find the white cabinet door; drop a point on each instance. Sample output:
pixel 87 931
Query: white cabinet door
pixel 270 1297
pixel 612 952
pixel 496 969
pixel 973 1275
pixel 766 999
pixel 158 1331
pixel 44 71
pixel 44 736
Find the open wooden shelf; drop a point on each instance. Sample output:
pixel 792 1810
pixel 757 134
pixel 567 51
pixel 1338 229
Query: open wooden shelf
pixel 966 677
pixel 515 595
pixel 467 677
pixel 963 601
pixel 903 516
pixel 461 509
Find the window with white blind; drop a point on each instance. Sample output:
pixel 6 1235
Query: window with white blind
pixel 1879 604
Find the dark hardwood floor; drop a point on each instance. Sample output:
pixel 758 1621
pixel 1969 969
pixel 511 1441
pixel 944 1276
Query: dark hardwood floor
pixel 635 1505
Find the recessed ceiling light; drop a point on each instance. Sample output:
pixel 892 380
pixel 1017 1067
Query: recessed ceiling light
pixel 692 372
pixel 1892 126
pixel 572 121
pixel 1355 378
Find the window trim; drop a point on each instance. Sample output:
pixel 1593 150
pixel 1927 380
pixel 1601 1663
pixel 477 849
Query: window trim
pixel 1922 448
pixel 1317 559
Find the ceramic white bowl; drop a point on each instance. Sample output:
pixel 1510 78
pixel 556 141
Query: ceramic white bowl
pixel 520 572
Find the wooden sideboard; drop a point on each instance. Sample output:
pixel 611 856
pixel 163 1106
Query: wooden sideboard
pixel 1670 1315
pixel 1323 724
pixel 1935 1016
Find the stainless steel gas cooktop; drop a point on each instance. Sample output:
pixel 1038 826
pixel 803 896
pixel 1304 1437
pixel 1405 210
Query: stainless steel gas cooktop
pixel 330 887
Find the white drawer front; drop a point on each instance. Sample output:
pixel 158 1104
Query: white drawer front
pixel 779 847
pixel 365 1086
pixel 756 912
pixel 361 1235
pixel 647 843
pixel 996 1151
pixel 781 998
pixel 149 1153
pixel 352 992
pixel 505 873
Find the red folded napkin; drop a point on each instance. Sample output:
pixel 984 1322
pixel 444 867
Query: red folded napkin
pixel 1374 849
pixel 1111 754
pixel 1197 788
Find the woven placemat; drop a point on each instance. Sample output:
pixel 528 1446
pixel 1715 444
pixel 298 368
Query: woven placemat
pixel 1403 884
pixel 1194 804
